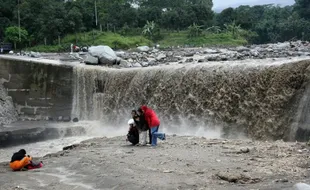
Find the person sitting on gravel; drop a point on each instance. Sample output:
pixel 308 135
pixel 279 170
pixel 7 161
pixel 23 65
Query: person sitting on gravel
pixel 20 161
pixel 133 133
pixel 153 123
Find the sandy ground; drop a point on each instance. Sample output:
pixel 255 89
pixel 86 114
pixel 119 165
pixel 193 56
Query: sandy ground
pixel 178 163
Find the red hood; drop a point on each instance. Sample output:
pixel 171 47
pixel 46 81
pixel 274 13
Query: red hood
pixel 144 108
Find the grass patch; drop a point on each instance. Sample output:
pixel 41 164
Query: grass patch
pixel 181 39
pixel 117 41
pixel 113 40
pixel 43 48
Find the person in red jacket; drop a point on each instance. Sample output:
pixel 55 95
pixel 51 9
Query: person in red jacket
pixel 153 122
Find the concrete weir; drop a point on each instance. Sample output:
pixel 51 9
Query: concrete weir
pixel 260 99
pixel 39 90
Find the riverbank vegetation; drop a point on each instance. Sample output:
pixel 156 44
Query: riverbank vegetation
pixel 52 25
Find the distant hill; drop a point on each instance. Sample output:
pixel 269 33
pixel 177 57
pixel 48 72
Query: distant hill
pixel 219 8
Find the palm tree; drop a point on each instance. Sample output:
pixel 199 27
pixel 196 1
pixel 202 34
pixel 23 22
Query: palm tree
pixel 233 28
pixel 148 29
pixel 194 30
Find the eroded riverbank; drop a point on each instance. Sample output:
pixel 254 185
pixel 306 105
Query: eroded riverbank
pixel 178 163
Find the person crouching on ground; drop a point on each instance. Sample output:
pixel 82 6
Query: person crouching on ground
pixel 142 126
pixel 133 133
pixel 21 161
pixel 153 123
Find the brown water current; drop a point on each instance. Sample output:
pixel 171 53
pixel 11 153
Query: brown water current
pixel 259 99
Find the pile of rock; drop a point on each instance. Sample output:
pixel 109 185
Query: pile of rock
pixel 145 56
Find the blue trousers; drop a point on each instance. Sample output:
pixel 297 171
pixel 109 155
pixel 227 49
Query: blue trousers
pixel 156 134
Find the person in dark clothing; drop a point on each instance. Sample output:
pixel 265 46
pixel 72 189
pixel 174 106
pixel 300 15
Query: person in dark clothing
pixel 141 125
pixel 21 161
pixel 133 133
pixel 144 127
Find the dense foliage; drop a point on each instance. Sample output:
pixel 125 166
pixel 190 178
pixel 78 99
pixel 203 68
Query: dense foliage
pixel 46 21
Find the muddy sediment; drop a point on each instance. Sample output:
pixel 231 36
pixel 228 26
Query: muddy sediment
pixel 178 163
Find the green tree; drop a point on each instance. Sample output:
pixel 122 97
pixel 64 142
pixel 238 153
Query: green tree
pixel 225 17
pixel 194 30
pixel 302 7
pixel 233 28
pixel 12 35
pixel 151 31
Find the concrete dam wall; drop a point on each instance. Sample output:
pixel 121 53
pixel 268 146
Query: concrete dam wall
pixel 40 91
pixel 264 99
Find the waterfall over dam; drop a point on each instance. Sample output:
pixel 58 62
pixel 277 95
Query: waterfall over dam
pixel 262 99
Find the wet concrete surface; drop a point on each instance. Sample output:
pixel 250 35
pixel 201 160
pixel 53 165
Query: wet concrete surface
pixel 178 163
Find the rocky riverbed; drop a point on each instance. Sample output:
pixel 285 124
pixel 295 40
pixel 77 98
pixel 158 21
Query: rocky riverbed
pixel 145 56
pixel 178 163
pixel 151 57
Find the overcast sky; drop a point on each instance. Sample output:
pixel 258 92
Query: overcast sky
pixel 222 4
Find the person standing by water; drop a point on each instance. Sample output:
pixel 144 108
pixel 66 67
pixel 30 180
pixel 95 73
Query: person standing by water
pixel 153 122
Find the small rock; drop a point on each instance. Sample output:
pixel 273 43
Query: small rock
pixel 125 64
pixel 167 171
pixel 136 65
pixel 242 49
pixel 189 54
pixel 282 180
pixel 236 178
pixel 91 60
pixel 66 118
pixel 244 150
pixel 189 60
pixel 201 60
pixel 200 172
pixel 160 57
pixel 210 51
pixel 144 64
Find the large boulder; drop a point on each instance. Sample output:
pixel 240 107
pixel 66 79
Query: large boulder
pixel 301 186
pixel 105 54
pixel 143 49
pixel 35 54
pixel 91 60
